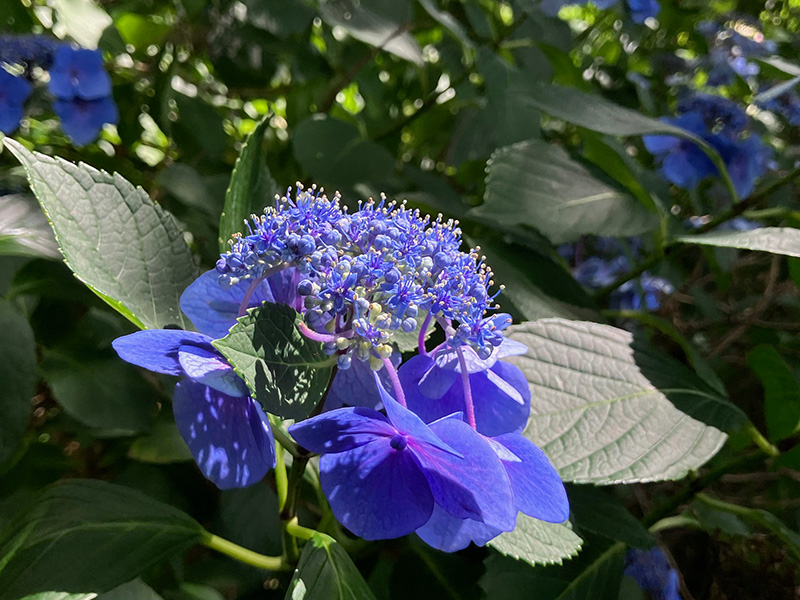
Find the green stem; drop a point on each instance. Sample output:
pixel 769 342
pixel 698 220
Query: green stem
pixel 281 479
pixel 674 523
pixel 760 441
pixel 284 440
pixel 294 528
pixel 254 559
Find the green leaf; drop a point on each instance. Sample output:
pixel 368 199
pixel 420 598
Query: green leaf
pixel 383 24
pixel 287 372
pixel 127 249
pixel 251 188
pixel 595 113
pixel 538 542
pixel 60 596
pixel 163 444
pixel 18 376
pixel 250 517
pixel 778 240
pixel 140 31
pixel 199 129
pixel 325 572
pixel 602 513
pixel 781 391
pixel 596 573
pixel 133 590
pixel 597 416
pixel 335 154
pixel 105 394
pixel 537 182
pixel 24 230
pixel 89 535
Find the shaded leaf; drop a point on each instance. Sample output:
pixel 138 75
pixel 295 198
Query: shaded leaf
pixel 781 391
pixel 536 182
pixel 127 249
pixel 18 376
pixel 251 188
pixel 163 444
pixel 602 513
pixel 89 535
pixel 133 590
pixel 325 572
pixel 287 372
pixel 597 416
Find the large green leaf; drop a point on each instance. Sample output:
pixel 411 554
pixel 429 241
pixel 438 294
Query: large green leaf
pixel 781 391
pixel 537 182
pixel 163 444
pixel 24 230
pixel 383 24
pixel 598 114
pixel 84 535
pixel 597 416
pixel 287 372
pixel 602 513
pixel 105 394
pixel 127 249
pixel 595 573
pixel 17 377
pixel 325 572
pixel 251 188
pixel 778 240
pixel 250 517
pixel 538 542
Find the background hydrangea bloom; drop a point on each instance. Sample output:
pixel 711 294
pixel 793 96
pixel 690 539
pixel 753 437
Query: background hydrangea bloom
pixel 82 120
pixel 13 93
pixel 653 573
pixel 79 73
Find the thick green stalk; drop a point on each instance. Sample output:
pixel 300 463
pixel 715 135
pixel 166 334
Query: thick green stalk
pixel 223 546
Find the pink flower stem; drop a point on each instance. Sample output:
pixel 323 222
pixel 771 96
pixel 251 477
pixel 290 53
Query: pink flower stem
pixel 422 333
pixel 254 285
pixel 316 336
pixel 395 379
pixel 468 404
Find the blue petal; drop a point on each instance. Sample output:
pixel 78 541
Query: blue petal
pixel 229 437
pixel 449 534
pixel 210 368
pixel 475 487
pixel 157 349
pixel 502 399
pixel 356 386
pixel 341 430
pixel 283 287
pixel 82 120
pixel 538 490
pixel 375 491
pixel 409 424
pixel 213 308
pixel 426 407
pixel 10 116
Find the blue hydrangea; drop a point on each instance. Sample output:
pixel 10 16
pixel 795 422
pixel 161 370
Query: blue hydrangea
pixel 786 105
pixel 13 93
pixel 28 50
pixel 79 73
pixel 82 120
pixel 651 570
pixel 445 459
pixel 641 10
pixel 730 51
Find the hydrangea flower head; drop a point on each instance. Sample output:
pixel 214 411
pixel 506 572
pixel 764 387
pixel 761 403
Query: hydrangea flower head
pixel 79 73
pixel 82 120
pixel 653 573
pixel 28 50
pixel 13 93
pixel 641 10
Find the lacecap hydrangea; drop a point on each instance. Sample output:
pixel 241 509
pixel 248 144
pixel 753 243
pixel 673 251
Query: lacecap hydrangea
pixel 432 446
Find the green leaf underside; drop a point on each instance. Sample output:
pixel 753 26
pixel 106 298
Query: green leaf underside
pixel 251 187
pixel 778 240
pixel 127 249
pixel 89 535
pixel 287 372
pixel 24 230
pixel 325 572
pixel 594 413
pixel 537 182
pixel 538 542
pixel 17 377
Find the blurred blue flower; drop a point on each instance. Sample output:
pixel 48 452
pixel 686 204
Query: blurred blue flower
pixel 82 120
pixel 682 161
pixel 729 51
pixel 650 569
pixel 78 73
pixel 28 50
pixel 786 105
pixel 719 115
pixel 13 93
pixel 641 10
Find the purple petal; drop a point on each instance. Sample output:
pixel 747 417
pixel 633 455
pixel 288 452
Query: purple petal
pixel 229 437
pixel 375 491
pixel 341 430
pixel 409 424
pixel 449 534
pixel 210 368
pixel 354 387
pixel 435 382
pixel 157 349
pixel 538 490
pixel 283 288
pixel 502 399
pixel 213 308
pixel 427 408
pixel 473 487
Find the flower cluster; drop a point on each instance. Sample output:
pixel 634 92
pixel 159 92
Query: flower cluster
pixel 597 263
pixel 723 125
pixel 78 82
pixel 650 569
pixel 730 52
pixel 432 447
pixel 640 10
